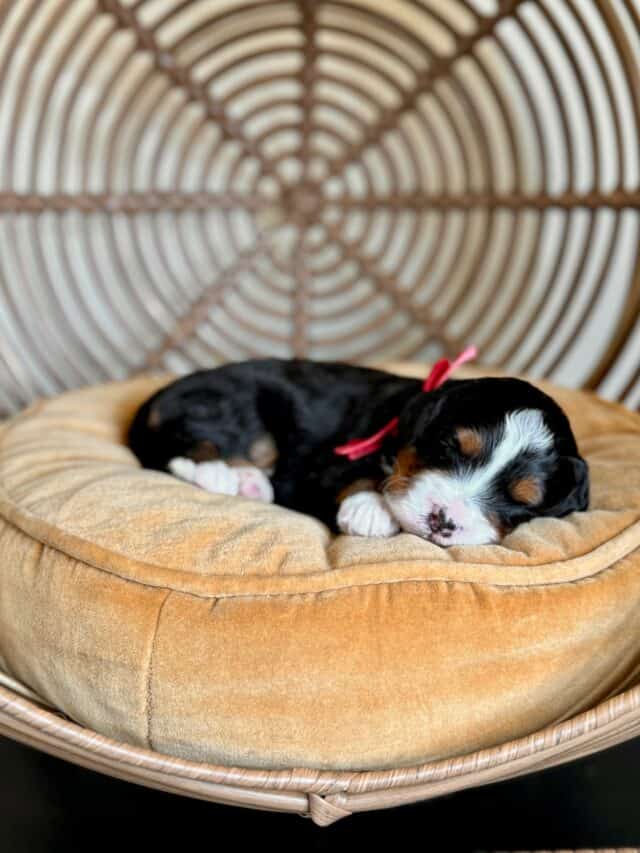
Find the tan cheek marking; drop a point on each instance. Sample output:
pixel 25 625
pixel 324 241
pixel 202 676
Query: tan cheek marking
pixel 470 441
pixel 364 484
pixel 405 466
pixel 264 451
pixel 528 490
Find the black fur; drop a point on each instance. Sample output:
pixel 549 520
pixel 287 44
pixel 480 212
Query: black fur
pixel 309 408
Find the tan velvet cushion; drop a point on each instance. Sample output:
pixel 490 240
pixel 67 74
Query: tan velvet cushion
pixel 238 633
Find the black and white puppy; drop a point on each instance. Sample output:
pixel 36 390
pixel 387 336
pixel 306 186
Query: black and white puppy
pixel 469 461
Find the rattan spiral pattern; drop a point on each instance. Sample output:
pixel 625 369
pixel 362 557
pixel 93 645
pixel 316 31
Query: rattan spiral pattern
pixel 186 181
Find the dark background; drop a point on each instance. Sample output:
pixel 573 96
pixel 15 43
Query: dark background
pixel 49 805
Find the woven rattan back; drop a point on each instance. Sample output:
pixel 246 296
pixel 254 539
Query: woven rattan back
pixel 187 181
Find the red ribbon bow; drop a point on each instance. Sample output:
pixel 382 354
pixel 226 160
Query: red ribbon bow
pixel 440 372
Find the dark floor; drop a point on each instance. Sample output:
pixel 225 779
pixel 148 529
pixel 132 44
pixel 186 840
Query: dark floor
pixel 49 805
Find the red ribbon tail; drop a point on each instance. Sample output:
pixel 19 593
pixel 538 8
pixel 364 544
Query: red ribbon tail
pixel 443 369
pixel 436 377
pixel 440 372
pixel 359 447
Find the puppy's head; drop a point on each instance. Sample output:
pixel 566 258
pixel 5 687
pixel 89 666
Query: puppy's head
pixel 477 457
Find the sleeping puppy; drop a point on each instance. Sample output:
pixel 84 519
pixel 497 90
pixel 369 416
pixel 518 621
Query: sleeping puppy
pixel 467 463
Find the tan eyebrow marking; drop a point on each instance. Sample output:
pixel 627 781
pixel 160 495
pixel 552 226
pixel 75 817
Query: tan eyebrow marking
pixel 528 490
pixel 470 441
pixel 405 466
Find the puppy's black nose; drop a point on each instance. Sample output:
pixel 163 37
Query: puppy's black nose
pixel 439 523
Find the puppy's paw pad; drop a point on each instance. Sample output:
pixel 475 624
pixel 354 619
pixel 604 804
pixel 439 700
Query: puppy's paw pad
pixel 254 484
pixel 217 477
pixel 183 468
pixel 365 514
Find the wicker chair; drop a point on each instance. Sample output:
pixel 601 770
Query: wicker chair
pixel 183 183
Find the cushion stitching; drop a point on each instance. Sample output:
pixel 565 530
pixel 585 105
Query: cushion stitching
pixel 25 513
pixel 330 590
pixel 37 519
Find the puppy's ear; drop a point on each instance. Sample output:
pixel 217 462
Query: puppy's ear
pixel 568 491
pixel 418 413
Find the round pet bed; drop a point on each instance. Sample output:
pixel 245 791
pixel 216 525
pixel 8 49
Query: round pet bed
pixel 187 183
pixel 233 633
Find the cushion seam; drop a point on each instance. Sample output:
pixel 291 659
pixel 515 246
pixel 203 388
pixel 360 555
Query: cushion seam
pixel 347 587
pixel 22 514
pixel 149 690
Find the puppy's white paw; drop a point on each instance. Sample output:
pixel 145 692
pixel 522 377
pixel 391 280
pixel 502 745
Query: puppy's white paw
pixel 217 477
pixel 254 484
pixel 183 468
pixel 365 514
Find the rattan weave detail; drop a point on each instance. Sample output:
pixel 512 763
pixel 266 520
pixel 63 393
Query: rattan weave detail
pixel 185 183
pixel 324 795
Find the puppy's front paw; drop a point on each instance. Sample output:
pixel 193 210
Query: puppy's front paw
pixel 365 514
pixel 215 477
pixel 183 468
pixel 254 484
